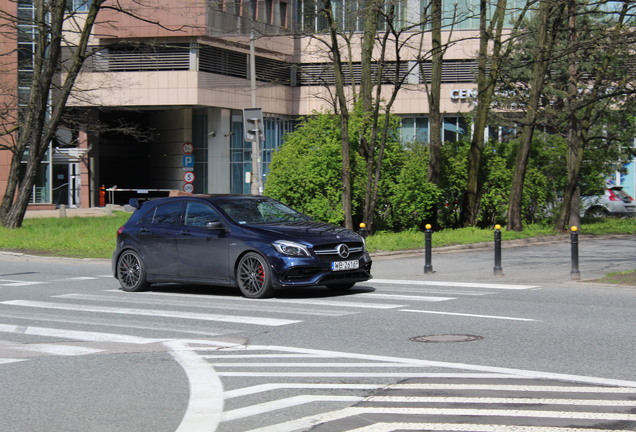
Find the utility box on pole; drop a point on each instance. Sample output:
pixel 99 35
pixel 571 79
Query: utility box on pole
pixel 253 124
pixel 253 128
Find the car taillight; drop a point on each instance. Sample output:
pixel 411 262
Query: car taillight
pixel 613 197
pixel 120 230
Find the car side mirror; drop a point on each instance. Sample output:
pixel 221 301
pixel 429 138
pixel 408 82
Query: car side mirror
pixel 213 225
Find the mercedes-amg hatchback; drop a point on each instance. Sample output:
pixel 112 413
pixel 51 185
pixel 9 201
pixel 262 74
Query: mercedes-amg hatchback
pixel 253 242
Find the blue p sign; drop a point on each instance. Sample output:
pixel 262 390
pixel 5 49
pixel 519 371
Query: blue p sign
pixel 188 161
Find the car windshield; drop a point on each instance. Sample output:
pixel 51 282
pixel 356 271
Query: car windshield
pixel 255 211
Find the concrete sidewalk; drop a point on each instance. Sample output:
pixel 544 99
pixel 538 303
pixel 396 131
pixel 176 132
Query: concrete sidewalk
pixel 74 212
pixel 523 262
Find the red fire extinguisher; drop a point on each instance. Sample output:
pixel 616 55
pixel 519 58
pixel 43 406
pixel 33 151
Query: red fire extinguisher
pixel 102 196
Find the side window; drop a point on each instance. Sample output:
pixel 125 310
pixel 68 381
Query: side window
pixel 163 214
pixel 197 214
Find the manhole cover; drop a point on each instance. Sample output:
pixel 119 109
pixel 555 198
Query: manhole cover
pixel 445 338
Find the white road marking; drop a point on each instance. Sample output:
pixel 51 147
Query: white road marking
pixel 364 375
pixel 407 297
pixel 75 334
pixel 316 365
pixel 272 322
pixel 490 371
pixel 57 349
pixel 205 405
pixel 110 323
pixel 462 427
pixel 468 315
pixel 258 409
pixel 577 415
pixel 10 360
pixel 509 400
pixel 452 284
pixel 262 388
pixel 77 278
pixel 512 387
pixel 15 283
pixel 306 423
pixel 203 302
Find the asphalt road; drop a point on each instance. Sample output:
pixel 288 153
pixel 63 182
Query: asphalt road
pixel 456 349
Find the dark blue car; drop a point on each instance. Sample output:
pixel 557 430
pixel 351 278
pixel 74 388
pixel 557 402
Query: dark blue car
pixel 253 242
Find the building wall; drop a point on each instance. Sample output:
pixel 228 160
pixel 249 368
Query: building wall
pixel 8 88
pixel 172 128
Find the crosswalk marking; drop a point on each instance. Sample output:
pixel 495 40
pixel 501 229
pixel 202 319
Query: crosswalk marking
pixel 10 360
pixel 453 284
pixel 15 283
pixel 154 312
pixel 212 302
pixel 508 400
pixel 406 297
pixel 56 349
pixel 467 315
pixel 462 427
pixel 75 334
pixel 279 404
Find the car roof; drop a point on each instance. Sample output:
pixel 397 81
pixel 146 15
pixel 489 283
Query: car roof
pixel 136 203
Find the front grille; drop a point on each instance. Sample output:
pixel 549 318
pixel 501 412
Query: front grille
pixel 331 250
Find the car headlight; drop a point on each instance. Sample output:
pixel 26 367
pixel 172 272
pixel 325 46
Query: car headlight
pixel 291 248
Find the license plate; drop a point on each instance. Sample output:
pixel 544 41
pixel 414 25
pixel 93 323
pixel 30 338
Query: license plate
pixel 345 265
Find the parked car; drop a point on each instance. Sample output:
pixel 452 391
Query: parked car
pixel 614 202
pixel 253 242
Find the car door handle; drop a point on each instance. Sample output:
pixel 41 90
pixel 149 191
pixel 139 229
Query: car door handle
pixel 185 233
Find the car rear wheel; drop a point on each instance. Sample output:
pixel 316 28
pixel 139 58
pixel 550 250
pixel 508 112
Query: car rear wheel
pixel 596 213
pixel 254 276
pixel 131 272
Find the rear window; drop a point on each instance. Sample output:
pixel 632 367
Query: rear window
pixel 164 214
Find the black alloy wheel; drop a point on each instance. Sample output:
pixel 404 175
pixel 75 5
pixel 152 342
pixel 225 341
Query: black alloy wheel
pixel 254 276
pixel 131 272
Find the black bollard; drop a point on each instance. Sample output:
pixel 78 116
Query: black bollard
pixel 362 232
pixel 574 241
pixel 497 270
pixel 428 236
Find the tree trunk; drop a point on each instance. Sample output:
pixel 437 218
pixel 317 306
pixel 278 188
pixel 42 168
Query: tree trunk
pixel 542 54
pixel 434 95
pixel 488 74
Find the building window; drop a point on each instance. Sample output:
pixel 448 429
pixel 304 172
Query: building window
pixel 78 5
pixel 414 129
pixel 241 150
pixel 455 129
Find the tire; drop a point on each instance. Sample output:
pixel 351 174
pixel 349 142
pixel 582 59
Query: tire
pixel 131 272
pixel 341 287
pixel 596 213
pixel 253 276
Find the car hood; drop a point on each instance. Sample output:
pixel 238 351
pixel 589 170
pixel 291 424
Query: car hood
pixel 306 231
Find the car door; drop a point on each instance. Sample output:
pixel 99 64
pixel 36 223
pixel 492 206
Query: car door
pixel 157 239
pixel 203 249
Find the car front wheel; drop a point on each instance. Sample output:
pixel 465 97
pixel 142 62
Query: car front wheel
pixel 131 272
pixel 254 276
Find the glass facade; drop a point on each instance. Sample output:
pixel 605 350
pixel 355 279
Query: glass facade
pixel 41 193
pixel 241 150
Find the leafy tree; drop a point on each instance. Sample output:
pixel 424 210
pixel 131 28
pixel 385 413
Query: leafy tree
pixel 306 171
pixel 413 200
pixel 586 84
pixel 61 40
